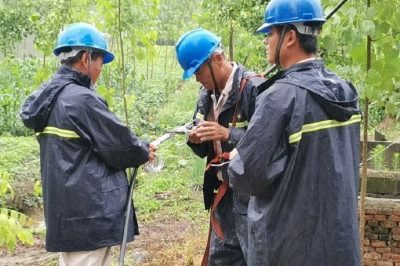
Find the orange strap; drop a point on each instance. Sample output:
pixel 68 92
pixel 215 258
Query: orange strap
pixel 204 261
pixel 223 157
pixel 223 188
pixel 214 224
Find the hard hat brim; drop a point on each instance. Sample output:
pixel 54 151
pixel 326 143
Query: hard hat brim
pixel 107 57
pixel 264 28
pixel 187 74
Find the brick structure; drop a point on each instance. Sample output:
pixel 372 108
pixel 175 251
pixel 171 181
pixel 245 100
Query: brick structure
pixel 382 232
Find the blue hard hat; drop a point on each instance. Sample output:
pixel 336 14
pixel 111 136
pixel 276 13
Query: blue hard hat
pixel 194 48
pixel 83 35
pixel 280 12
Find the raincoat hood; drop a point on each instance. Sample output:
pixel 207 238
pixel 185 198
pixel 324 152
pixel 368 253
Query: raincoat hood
pixel 336 96
pixel 36 110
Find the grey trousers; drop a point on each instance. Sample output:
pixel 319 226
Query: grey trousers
pixel 232 216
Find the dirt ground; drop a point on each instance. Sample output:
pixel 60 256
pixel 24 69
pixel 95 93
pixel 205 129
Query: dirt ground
pixel 165 241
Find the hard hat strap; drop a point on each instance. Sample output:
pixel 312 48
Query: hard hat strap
pixel 89 53
pixel 212 76
pixel 279 45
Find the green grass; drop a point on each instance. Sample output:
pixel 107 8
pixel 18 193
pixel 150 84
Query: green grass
pixel 176 188
pixel 19 156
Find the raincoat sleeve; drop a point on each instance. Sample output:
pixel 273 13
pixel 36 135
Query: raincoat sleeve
pixel 109 138
pixel 200 150
pixel 236 134
pixel 262 152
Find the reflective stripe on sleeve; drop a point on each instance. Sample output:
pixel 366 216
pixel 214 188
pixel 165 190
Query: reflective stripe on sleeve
pixel 200 116
pixel 63 133
pixel 240 124
pixel 296 137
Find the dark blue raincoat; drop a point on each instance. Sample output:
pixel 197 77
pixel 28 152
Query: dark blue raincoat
pixel 84 151
pixel 299 159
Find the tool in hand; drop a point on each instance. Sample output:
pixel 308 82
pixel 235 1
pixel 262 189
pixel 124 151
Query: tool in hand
pixel 157 164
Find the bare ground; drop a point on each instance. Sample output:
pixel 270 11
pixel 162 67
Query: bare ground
pixel 165 241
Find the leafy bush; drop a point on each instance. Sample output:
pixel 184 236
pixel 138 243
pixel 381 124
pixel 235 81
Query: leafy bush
pixel 396 161
pixel 18 78
pixel 12 223
pixel 19 156
pixel 377 156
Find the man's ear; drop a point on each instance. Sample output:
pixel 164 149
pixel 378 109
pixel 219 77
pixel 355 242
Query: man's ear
pixel 219 58
pixel 85 59
pixel 291 37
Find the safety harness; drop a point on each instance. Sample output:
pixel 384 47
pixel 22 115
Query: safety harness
pixel 219 159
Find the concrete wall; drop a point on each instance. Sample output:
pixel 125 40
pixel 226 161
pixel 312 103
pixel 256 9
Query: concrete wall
pixel 383 183
pixel 25 49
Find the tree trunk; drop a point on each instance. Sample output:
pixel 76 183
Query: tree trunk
pixel 231 42
pixel 165 59
pixel 152 68
pixel 363 190
pixel 121 42
pixel 147 69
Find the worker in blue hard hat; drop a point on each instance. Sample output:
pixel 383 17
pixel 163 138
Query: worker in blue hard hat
pixel 224 107
pixel 84 151
pixel 299 158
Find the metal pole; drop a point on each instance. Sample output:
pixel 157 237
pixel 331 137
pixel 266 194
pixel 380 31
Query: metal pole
pixel 127 214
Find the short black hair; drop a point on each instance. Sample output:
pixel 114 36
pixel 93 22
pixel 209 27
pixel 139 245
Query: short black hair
pixel 74 59
pixel 308 43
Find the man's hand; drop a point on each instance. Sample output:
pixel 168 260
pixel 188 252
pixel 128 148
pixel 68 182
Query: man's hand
pixel 152 150
pixel 207 130
pixel 193 138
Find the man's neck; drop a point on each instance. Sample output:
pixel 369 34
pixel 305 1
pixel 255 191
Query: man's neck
pixel 226 72
pixel 298 59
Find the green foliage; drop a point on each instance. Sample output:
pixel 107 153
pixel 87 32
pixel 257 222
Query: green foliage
pixel 18 156
pixel 237 21
pixel 13 24
pixel 344 44
pixel 49 17
pixel 12 223
pixel 378 157
pixel 175 17
pixel 396 161
pixel 18 78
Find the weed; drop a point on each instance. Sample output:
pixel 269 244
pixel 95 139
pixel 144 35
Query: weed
pixel 378 157
pixel 396 161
